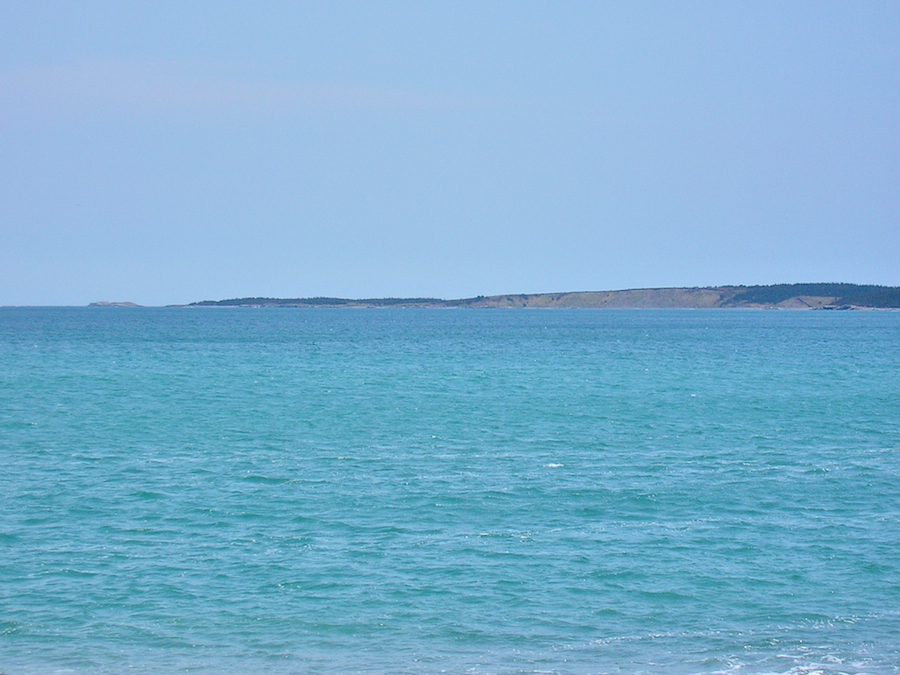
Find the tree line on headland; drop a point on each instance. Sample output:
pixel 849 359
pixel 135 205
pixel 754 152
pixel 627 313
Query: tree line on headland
pixel 777 296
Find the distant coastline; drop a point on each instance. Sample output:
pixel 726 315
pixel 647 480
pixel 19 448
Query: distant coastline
pixel 818 296
pixel 104 303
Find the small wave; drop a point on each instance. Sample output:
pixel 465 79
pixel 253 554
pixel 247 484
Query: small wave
pixel 147 495
pixel 266 480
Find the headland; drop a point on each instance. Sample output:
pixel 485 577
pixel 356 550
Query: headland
pixel 818 296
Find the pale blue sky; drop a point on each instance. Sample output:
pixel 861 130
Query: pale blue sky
pixel 167 152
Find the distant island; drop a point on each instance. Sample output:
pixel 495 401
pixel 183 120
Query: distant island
pixel 777 296
pixel 104 303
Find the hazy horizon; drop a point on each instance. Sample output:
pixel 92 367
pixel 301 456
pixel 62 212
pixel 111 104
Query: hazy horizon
pixel 125 301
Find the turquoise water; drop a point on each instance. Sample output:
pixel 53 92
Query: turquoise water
pixel 436 491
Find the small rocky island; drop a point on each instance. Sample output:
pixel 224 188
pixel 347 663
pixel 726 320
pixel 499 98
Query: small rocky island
pixel 778 296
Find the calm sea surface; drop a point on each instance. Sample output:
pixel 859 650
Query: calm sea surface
pixel 387 491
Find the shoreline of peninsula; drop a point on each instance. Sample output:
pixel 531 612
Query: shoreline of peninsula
pixel 813 296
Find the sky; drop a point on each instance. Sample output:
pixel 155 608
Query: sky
pixel 171 152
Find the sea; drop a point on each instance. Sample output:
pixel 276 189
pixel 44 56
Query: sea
pixel 235 491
